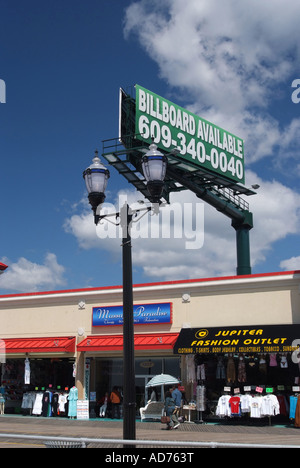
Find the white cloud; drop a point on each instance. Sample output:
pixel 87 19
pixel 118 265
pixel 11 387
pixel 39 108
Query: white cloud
pixel 229 58
pixel 276 211
pixel 26 276
pixel 229 51
pixel 291 264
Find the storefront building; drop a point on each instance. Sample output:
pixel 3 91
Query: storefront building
pixel 235 334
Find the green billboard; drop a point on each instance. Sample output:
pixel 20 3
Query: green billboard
pixel 196 139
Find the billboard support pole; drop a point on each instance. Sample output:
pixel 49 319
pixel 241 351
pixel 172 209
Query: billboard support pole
pixel 243 244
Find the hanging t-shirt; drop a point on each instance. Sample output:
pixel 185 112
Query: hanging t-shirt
pixel 246 403
pixel 62 401
pixel 235 405
pixel 223 406
pixel 255 407
pixel 269 405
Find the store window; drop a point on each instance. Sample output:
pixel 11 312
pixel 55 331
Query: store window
pixel 109 373
pixel 44 372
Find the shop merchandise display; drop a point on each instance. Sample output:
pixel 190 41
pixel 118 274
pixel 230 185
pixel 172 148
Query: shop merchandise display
pixel 45 403
pixel 246 386
pixel 255 406
pixel 23 390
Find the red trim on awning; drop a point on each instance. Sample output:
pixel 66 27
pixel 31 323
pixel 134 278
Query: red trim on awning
pixel 3 266
pixel 149 341
pixel 38 345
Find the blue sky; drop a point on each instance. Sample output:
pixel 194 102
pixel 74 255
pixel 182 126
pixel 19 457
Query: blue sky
pixel 63 63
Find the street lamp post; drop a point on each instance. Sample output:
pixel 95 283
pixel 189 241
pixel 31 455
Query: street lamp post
pixel 129 397
pixel 96 176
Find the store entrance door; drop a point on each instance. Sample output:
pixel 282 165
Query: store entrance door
pixel 142 393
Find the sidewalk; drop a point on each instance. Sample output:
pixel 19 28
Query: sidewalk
pixel 113 429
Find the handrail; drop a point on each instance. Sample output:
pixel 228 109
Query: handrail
pixel 151 443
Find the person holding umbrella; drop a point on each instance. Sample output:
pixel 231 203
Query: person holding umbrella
pixel 161 380
pixel 171 411
pixel 177 395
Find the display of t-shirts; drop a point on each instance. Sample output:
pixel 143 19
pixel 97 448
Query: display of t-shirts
pixel 257 406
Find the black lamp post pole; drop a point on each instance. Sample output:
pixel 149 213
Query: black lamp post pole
pixel 129 399
pixel 96 176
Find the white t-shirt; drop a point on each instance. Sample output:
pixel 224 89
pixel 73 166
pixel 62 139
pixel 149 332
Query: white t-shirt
pixel 255 410
pixel 223 407
pixel 270 405
pixel 246 403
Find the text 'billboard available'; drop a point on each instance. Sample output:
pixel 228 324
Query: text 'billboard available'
pixel 196 139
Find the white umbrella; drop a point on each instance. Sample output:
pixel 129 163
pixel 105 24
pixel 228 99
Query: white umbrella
pixel 162 379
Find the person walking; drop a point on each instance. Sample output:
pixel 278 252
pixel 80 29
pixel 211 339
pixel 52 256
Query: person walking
pixel 177 395
pixel 171 411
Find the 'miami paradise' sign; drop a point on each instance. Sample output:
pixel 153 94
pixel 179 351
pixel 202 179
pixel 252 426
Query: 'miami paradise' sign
pixel 142 314
pixel 197 140
pixel 251 339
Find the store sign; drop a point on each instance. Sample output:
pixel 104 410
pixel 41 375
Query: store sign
pixel 196 139
pixel 247 339
pixel 142 314
pixel 82 409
